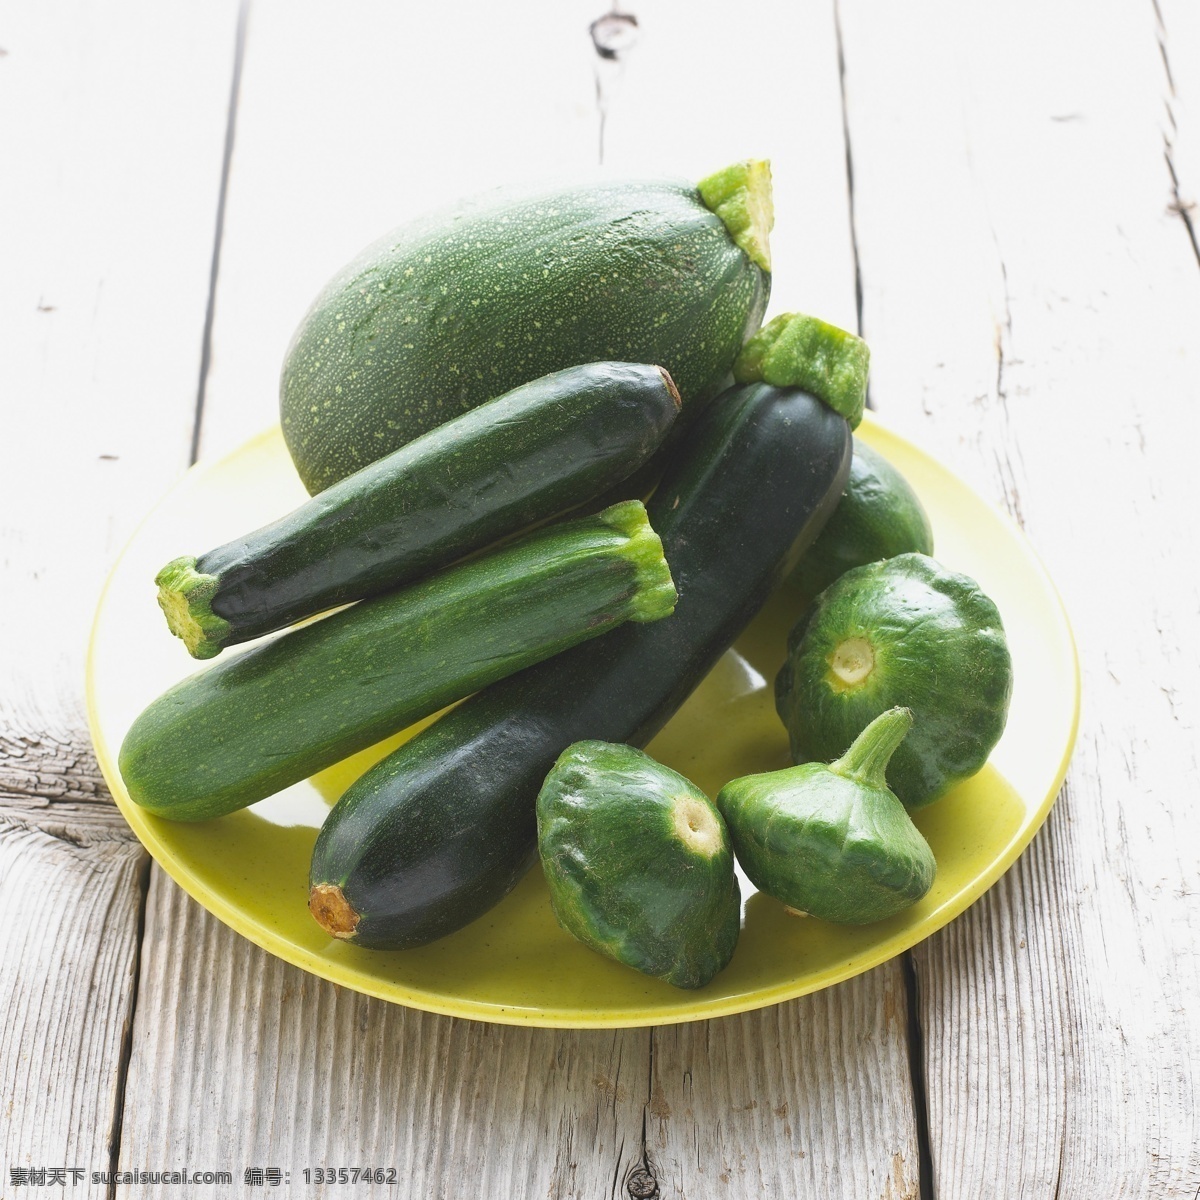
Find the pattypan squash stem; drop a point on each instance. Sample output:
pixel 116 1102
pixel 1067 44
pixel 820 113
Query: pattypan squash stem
pixel 867 759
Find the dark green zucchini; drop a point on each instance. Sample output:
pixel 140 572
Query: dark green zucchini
pixel 259 721
pixel 455 308
pixel 531 454
pixel 441 829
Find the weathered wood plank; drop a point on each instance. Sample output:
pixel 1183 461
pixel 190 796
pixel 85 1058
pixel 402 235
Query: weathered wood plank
pixel 240 1060
pixel 688 103
pixel 742 1106
pixel 1031 297
pixel 805 1099
pixel 1177 27
pixel 111 155
pixel 292 218
pixel 311 182
pixel 345 130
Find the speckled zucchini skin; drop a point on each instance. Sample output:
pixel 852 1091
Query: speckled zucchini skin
pixel 449 311
pixel 440 830
pixel 526 456
pixel 260 721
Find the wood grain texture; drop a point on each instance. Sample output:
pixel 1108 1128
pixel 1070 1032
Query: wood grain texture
pixel 1031 295
pixel 804 1099
pixel 1177 30
pixel 687 103
pixel 240 1060
pixel 68 945
pixel 227 1040
pixel 108 206
pixel 345 129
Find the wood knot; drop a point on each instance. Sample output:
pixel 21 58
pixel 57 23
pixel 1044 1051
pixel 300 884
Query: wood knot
pixel 641 1185
pixel 613 34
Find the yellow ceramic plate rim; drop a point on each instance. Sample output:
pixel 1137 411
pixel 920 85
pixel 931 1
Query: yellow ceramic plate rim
pixel 688 1008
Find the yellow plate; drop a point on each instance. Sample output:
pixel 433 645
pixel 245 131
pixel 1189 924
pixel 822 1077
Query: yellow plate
pixel 515 965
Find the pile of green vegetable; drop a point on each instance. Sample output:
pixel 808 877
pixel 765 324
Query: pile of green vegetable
pixel 479 405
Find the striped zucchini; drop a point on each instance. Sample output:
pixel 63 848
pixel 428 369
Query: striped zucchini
pixel 259 721
pixel 531 454
pixel 436 833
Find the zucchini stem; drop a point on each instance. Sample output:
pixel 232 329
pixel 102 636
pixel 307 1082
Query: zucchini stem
pixel 795 350
pixel 741 196
pixel 654 595
pixel 332 911
pixel 185 596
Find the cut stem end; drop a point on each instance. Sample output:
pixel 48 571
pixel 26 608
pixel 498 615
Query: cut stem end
pixel 185 596
pixel 654 594
pixel 741 196
pixel 672 390
pixel 795 350
pixel 851 664
pixel 696 826
pixel 331 910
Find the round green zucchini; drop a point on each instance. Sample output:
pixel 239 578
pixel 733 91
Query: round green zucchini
pixel 522 458
pixel 259 721
pixel 907 632
pixel 832 841
pixel 449 311
pixel 638 863
pixel 441 829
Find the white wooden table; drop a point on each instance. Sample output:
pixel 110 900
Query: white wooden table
pixel 998 195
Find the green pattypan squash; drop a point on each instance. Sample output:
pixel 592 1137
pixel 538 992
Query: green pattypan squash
pixel 900 632
pixel 878 516
pixel 639 863
pixel 832 841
